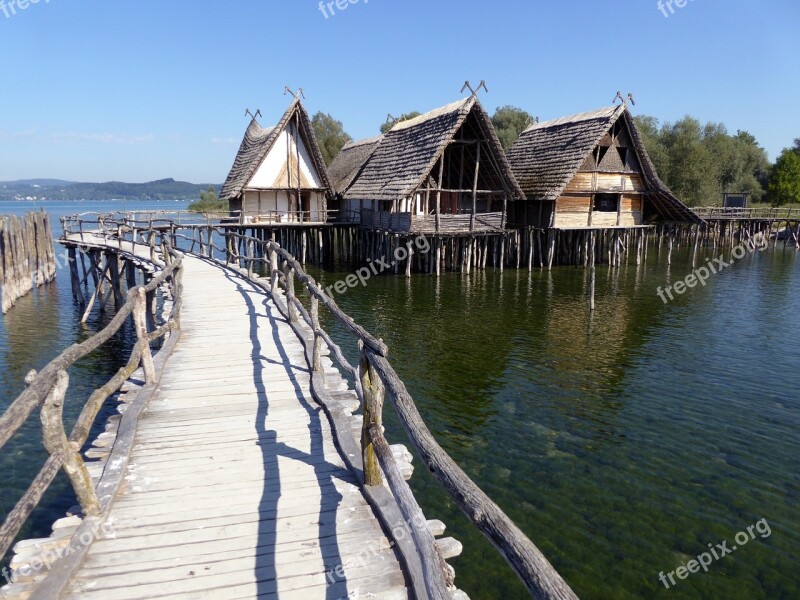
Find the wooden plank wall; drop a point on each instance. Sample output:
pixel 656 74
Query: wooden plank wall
pixel 606 182
pixel 573 211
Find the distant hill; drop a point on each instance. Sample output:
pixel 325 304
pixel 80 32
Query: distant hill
pixel 35 182
pixel 55 189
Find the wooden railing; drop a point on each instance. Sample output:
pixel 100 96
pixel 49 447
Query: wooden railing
pixel 292 217
pixel 375 381
pixel 447 223
pixel 767 214
pixel 46 391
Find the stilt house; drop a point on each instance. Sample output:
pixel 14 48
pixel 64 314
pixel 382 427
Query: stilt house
pixel 279 175
pixel 590 171
pixel 444 172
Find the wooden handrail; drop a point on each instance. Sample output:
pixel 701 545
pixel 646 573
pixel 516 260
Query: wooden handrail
pixel 47 390
pixel 773 213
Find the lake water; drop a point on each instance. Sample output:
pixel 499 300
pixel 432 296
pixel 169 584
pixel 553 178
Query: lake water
pixel 622 443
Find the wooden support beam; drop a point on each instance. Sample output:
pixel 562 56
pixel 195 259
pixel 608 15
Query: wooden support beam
pixel 140 320
pixel 475 189
pixel 438 192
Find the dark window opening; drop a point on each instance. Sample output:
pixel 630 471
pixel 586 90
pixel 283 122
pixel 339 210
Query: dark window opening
pixel 602 150
pixel 606 202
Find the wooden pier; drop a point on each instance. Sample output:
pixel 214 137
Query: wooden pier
pixel 249 458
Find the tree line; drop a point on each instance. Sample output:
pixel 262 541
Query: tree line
pixel 698 162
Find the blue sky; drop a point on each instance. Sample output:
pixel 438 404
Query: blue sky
pixel 95 90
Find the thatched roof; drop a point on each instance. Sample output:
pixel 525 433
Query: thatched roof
pixel 348 163
pixel 547 156
pixel 257 143
pixel 402 160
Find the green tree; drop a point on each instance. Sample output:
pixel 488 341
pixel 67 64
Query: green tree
pixel 796 147
pixel 386 127
pixel 331 135
pixel 210 195
pixel 701 162
pixel 753 167
pixel 784 183
pixel 209 202
pixel 651 136
pixel 691 173
pixel 510 122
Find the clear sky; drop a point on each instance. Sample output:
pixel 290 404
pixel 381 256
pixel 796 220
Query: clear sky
pixel 95 90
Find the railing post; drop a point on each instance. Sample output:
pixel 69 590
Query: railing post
pixel 55 442
pixel 273 269
pixel 140 319
pixel 317 334
pixel 289 271
pixel 250 256
pixel 210 242
pixel 152 242
pixel 373 392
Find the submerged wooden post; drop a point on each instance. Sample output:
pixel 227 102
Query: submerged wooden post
pixel 669 245
pixel 373 392
pixel 140 319
pixel 592 272
pixel 74 275
pixel 56 442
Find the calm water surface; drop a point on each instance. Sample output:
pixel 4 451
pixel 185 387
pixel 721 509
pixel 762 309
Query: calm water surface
pixel 623 444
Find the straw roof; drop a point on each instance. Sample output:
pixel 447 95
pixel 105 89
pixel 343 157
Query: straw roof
pixel 257 144
pixel 547 156
pixel 348 163
pixel 397 164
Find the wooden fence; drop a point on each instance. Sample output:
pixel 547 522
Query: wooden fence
pixel 27 257
pixel 406 222
pixel 766 214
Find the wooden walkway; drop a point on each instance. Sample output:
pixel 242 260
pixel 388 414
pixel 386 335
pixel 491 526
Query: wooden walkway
pixel 235 488
pixel 237 469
